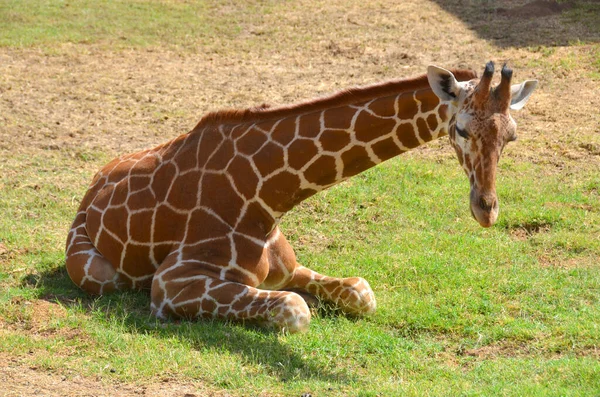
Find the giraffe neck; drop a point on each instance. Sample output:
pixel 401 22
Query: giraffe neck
pixel 303 154
pixel 247 168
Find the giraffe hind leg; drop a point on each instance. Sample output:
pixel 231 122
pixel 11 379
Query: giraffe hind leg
pixel 85 264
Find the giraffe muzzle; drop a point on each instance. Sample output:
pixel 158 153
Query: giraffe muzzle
pixel 484 208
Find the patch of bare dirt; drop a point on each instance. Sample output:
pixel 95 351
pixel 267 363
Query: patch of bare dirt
pixel 560 262
pixel 19 380
pixel 499 350
pixel 455 356
pixel 496 351
pixel 585 207
pixel 38 319
pixel 44 312
pixel 527 230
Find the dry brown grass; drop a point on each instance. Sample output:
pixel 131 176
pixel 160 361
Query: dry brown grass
pixel 88 97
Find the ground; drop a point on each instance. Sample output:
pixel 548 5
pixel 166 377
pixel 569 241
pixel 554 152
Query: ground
pixel 95 100
pixel 21 380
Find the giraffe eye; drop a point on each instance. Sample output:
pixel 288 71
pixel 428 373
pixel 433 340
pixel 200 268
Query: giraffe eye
pixel 462 132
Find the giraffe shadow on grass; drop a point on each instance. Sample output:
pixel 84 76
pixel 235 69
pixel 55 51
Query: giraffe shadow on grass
pixel 130 310
pixel 528 23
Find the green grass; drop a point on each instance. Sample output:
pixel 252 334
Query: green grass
pixel 462 310
pixel 27 23
pixel 121 23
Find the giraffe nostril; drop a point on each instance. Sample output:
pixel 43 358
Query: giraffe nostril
pixel 487 203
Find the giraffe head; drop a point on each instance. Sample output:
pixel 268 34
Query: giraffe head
pixel 479 128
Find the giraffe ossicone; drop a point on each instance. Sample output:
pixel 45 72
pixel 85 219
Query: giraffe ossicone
pixel 195 219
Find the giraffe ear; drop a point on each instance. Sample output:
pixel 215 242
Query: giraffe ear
pixel 520 94
pixel 443 83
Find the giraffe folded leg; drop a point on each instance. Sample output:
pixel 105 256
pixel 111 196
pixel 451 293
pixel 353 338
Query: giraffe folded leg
pixel 86 266
pixel 353 295
pixel 179 290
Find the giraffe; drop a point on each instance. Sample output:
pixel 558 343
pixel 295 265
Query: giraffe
pixel 195 220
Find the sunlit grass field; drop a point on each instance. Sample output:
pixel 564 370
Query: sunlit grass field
pixel 510 310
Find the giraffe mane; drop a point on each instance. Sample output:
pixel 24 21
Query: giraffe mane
pixel 341 98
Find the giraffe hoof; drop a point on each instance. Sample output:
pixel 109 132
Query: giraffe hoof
pixel 361 300
pixel 293 314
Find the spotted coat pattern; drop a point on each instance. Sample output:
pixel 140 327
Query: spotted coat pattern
pixel 195 219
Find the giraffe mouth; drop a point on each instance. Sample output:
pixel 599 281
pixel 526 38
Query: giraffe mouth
pixel 484 208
